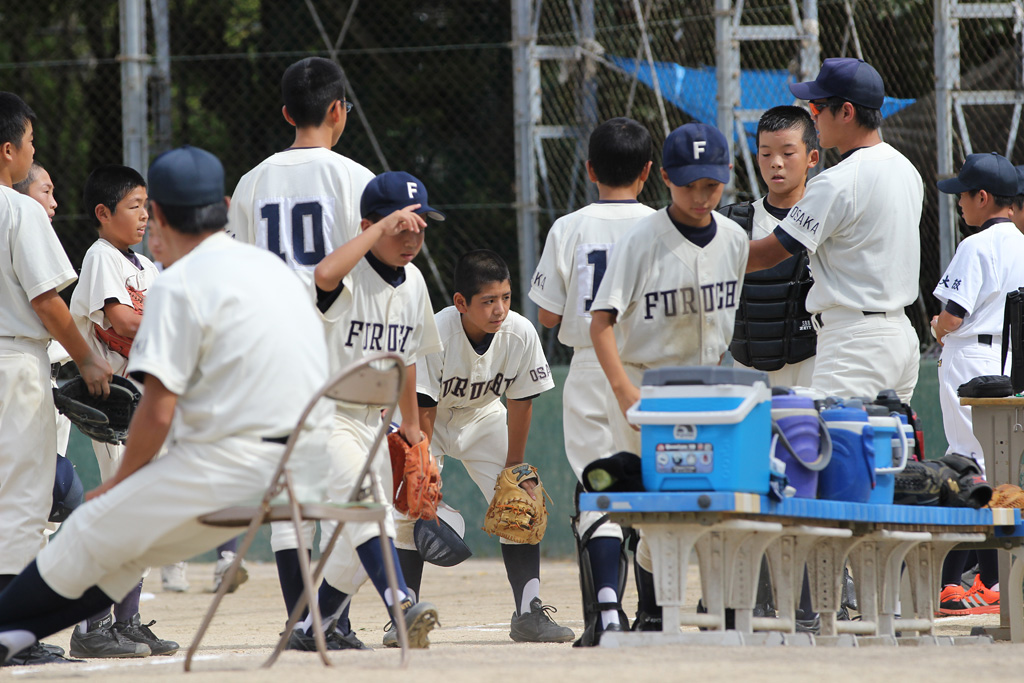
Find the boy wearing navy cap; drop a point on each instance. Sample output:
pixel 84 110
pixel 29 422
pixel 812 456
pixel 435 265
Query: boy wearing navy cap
pixel 371 299
pixel 985 267
pixel 672 286
pixel 1018 201
pixel 220 309
pixel 858 221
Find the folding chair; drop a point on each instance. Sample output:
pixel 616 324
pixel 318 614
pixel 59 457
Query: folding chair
pixel 374 381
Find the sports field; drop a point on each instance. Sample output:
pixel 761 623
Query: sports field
pixel 473 644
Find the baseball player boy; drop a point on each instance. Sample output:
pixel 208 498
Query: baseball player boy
pixel 972 290
pixel 106 306
pixel 33 269
pixel 222 310
pixel 671 291
pixel 572 265
pixel 489 351
pixel 1018 200
pixel 371 299
pixel 39 186
pixel 858 220
pixel 302 203
pixel 781 344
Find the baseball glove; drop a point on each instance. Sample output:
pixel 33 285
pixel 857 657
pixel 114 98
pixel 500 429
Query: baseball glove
pixel 114 341
pixel 513 514
pixel 101 419
pixel 416 479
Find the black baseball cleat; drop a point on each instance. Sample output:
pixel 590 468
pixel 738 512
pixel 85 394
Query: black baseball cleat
pixel 537 626
pixel 39 654
pixel 105 642
pixel 135 631
pixel 334 639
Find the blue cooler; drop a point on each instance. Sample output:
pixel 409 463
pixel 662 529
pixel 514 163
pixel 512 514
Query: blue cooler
pixel 850 475
pixel 890 452
pixel 704 429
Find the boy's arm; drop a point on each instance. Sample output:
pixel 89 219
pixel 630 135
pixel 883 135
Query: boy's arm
pixel 150 425
pixel 427 417
pixel 335 266
pixel 602 334
pixel 520 413
pixel 547 318
pixel 944 323
pixel 124 319
pixel 410 427
pixel 56 318
pixel 766 252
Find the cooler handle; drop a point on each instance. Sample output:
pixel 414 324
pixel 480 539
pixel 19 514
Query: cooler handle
pixel 904 449
pixel 651 417
pixel 824 453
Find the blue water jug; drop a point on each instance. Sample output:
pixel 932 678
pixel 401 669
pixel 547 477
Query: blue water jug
pixel 801 425
pixel 850 475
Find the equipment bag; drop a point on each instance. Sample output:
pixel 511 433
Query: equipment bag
pixel 1013 336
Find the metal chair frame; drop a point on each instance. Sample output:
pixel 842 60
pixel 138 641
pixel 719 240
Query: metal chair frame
pixel 376 380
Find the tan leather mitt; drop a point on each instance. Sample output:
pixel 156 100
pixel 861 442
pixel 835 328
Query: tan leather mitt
pixel 513 514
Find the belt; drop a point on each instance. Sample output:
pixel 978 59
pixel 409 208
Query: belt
pixel 985 339
pixel 817 316
pixel 276 439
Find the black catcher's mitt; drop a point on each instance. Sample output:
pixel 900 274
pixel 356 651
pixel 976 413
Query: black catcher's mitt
pixel 101 419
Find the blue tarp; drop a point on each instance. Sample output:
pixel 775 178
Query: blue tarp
pixel 694 89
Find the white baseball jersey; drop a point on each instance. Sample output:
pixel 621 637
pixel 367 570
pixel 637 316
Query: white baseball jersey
pixel 460 378
pixel 32 262
pixel 859 221
pixel 985 267
pixel 300 204
pixel 196 328
pixel 372 315
pixel 233 333
pixel 574 261
pixel 107 274
pixel 675 302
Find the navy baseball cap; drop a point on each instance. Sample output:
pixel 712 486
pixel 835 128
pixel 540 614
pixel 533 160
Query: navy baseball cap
pixel 694 151
pixel 1020 180
pixel 990 172
pixel 396 190
pixel 186 176
pixel 852 79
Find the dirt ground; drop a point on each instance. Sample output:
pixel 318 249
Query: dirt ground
pixel 473 645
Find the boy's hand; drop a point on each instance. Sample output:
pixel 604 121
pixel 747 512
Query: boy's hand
pixel 627 396
pixel 96 373
pixel 402 220
pixel 411 433
pixel 935 330
pixel 529 485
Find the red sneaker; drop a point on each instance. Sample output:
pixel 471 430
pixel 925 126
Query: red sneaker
pixel 951 601
pixel 981 600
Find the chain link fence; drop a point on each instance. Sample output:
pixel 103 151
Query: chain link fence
pixel 433 86
pixel 612 77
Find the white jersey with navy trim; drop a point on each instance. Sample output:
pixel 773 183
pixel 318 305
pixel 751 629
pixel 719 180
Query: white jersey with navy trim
pixel 859 221
pixel 460 378
pixel 371 316
pixel 300 204
pixel 675 302
pixel 574 261
pixel 985 268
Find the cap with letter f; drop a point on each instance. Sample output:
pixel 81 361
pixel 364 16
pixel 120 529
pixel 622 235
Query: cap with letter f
pixel 694 151
pixel 396 190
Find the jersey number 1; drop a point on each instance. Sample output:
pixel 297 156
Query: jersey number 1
pixel 305 226
pixel 598 261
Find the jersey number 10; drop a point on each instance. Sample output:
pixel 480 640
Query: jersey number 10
pixel 303 225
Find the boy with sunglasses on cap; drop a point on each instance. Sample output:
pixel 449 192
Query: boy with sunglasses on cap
pixel 671 289
pixel 972 290
pixel 858 221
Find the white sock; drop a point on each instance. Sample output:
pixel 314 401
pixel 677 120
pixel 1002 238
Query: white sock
pixel 16 641
pixel 530 591
pixel 306 624
pixel 389 600
pixel 608 616
pixel 995 587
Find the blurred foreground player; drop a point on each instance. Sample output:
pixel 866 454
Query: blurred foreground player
pixel 222 302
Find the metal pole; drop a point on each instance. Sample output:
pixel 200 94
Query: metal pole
pixel 947 70
pixel 810 44
pixel 133 60
pixel 526 94
pixel 588 100
pixel 727 73
pixel 162 134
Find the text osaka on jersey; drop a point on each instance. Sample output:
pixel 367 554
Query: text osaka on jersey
pixel 683 301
